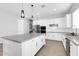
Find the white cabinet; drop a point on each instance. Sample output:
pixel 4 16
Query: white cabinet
pixel 54 36
pixel 28 48
pixel 11 48
pixel 40 41
pixel 75 17
pixel 74 49
pixel 69 20
pixel 31 47
pixel 74 46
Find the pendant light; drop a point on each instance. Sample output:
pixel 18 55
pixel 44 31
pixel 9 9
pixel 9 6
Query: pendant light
pixel 32 11
pixel 22 11
pixel 22 14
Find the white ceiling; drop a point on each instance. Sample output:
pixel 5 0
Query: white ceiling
pixel 74 7
pixel 41 10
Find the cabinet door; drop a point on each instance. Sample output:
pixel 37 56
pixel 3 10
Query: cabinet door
pixel 54 36
pixel 73 49
pixel 11 48
pixel 28 48
pixel 50 36
pixel 40 41
pixel 43 39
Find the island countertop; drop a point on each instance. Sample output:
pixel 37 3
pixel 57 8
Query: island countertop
pixel 21 37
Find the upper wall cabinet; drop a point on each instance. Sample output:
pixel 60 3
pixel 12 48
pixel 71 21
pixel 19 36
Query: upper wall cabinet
pixel 69 20
pixel 76 18
pixel 51 23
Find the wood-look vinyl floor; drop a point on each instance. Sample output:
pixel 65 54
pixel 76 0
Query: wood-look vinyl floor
pixel 1 49
pixel 52 48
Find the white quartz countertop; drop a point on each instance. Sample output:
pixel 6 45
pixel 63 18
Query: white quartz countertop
pixel 21 37
pixel 74 39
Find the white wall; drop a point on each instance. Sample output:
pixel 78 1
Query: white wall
pixel 11 25
pixel 8 24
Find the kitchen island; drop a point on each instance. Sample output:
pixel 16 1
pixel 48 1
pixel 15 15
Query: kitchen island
pixel 22 44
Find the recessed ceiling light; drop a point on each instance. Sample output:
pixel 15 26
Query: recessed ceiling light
pixel 42 6
pixel 26 16
pixel 37 13
pixel 55 9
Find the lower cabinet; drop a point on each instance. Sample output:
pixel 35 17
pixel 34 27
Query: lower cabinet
pixel 28 48
pixel 54 36
pixel 40 41
pixel 11 48
pixel 74 49
pixel 31 47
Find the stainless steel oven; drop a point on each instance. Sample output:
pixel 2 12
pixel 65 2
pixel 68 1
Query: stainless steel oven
pixel 43 29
